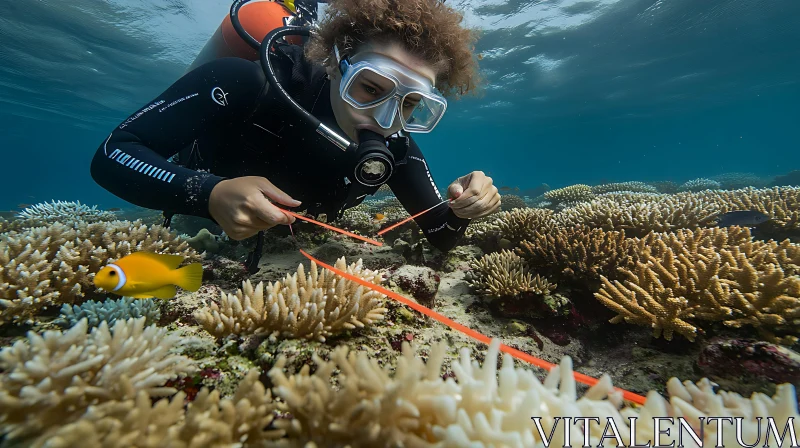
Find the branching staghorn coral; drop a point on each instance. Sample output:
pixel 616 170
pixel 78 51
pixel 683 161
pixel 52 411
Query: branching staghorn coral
pixel 512 201
pixel 782 204
pixel 51 265
pixel 513 225
pixel 735 181
pixel 490 406
pixel 504 274
pixel 51 379
pixel 110 311
pixel 570 195
pixel 579 252
pixel 208 421
pixel 700 185
pixel 616 187
pixel 638 214
pixel 710 275
pixel 309 306
pixel 65 212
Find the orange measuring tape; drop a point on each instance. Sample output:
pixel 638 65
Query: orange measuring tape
pixel 585 379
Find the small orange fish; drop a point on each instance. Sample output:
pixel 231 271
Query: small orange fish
pixel 143 275
pixel 380 216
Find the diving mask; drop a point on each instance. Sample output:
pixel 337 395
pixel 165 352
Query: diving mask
pixel 387 90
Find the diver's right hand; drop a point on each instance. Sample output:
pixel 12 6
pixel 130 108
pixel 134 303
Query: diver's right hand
pixel 240 206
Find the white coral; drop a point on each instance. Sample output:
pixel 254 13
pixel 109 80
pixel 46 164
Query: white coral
pixel 51 379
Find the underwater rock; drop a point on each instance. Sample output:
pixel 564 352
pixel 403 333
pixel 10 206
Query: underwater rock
pixel 419 281
pixel 193 225
pixel 181 308
pixel 332 250
pixel 204 241
pixel 750 358
pixel 224 272
pixel 458 258
pixel 400 246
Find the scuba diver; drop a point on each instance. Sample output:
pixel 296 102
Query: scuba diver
pixel 312 124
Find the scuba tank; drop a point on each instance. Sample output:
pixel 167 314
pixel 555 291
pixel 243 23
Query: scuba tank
pixel 257 18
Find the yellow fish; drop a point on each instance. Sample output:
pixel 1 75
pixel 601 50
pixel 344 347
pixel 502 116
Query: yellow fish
pixel 379 216
pixel 143 275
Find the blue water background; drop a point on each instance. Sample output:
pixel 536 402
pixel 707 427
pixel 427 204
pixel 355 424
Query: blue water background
pixel 577 92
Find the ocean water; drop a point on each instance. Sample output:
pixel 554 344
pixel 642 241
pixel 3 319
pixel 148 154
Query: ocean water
pixel 576 92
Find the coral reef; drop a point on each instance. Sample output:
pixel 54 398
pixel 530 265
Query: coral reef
pixel 51 379
pixel 710 275
pixel 735 181
pixel 489 406
pixel 309 306
pixel 616 187
pixel 782 204
pixel 504 274
pixel 52 265
pixel 665 186
pixel 639 214
pixel 512 226
pixel 579 252
pixel 109 311
pixel 570 195
pixel 512 201
pixel 700 184
pixel 65 212
pixel 208 421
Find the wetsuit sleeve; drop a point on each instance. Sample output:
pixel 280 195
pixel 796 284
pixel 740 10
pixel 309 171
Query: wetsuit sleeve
pixel 413 186
pixel 132 162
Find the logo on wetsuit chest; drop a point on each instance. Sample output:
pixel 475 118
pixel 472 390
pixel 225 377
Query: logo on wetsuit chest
pixel 219 96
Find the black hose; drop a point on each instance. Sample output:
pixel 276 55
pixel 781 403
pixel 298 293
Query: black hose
pixel 237 25
pixel 266 65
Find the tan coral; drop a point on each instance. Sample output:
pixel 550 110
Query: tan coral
pixel 209 421
pixel 782 204
pixel 630 186
pixel 51 379
pixel 52 265
pixel 513 225
pixel 710 275
pixel 309 306
pixel 638 214
pixel 579 252
pixel 572 194
pixel 504 274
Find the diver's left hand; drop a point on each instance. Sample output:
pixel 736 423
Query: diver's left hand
pixel 474 196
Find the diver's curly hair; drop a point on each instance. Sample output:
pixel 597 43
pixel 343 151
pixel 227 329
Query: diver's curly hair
pixel 429 29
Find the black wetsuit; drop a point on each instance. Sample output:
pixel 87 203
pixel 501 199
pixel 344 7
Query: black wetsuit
pixel 222 121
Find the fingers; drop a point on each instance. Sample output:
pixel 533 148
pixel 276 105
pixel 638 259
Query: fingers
pixel 479 187
pixel 276 194
pixel 266 215
pixel 455 190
